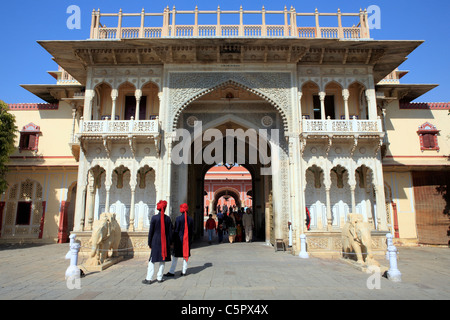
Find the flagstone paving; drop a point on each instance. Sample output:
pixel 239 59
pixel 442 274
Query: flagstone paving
pixel 238 271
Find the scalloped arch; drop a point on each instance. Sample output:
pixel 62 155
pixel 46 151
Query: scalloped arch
pixel 225 84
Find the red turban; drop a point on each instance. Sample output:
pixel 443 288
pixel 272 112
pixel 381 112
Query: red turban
pixel 162 205
pixel 184 209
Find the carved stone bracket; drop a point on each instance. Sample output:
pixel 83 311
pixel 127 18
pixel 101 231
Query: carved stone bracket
pixel 329 144
pixel 132 143
pixel 355 144
pixel 107 144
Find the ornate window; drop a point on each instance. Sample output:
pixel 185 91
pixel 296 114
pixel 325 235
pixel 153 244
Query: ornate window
pixel 29 137
pixel 428 135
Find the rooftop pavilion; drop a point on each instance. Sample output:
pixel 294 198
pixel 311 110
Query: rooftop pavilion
pixel 292 24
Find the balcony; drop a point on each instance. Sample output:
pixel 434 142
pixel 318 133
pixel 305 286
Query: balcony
pixel 351 132
pixel 169 29
pixel 353 126
pixel 107 131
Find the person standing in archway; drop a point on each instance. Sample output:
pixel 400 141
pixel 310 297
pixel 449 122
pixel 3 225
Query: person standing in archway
pixel 159 241
pixel 247 221
pixel 182 240
pixel 210 227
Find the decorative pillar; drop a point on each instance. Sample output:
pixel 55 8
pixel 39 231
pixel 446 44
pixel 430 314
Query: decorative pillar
pixel 380 207
pixel 371 98
pixel 318 31
pixel 300 95
pixel 218 27
pixel 88 101
pixel 114 95
pixel 352 193
pixel 241 22
pixel 142 29
pixel 90 203
pixel 119 25
pixel 138 95
pixel 132 209
pixel 108 188
pixel 322 96
pixel 340 30
pixel 346 96
pixel 263 27
pixel 329 216
pixel 74 116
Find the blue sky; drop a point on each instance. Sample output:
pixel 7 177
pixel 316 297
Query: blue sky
pixel 23 61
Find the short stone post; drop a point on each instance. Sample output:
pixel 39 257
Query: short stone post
pixel 393 273
pixel 303 254
pixel 389 242
pixel 73 272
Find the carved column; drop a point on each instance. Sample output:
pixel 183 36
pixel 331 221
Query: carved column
pixel 108 188
pixel 132 209
pixel 138 103
pixel 88 101
pixel 352 193
pixel 329 214
pixel 322 96
pixel 114 95
pixel 90 205
pixel 371 103
pixel 300 94
pixel 80 209
pixel 74 117
pixel 346 95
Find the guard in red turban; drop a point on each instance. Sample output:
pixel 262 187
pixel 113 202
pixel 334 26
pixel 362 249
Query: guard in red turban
pixel 183 236
pixel 159 241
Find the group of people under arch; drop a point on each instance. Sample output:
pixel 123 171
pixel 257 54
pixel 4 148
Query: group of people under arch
pixel 235 222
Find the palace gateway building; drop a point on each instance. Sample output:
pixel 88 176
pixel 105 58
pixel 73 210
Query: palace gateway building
pixel 315 116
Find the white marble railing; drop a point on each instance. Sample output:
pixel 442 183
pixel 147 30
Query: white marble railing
pixel 259 27
pixel 341 126
pixel 105 127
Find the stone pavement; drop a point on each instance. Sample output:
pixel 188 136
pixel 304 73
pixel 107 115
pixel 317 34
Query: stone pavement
pixel 239 271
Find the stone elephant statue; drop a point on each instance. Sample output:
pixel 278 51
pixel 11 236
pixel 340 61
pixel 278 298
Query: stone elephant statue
pixel 356 238
pixel 106 234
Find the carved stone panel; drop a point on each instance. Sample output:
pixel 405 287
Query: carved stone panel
pixel 274 87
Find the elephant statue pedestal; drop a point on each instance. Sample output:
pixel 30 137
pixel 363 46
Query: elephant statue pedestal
pixel 106 235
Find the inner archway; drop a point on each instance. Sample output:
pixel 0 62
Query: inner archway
pixel 226 188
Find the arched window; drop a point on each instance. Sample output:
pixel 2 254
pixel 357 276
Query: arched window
pixel 428 135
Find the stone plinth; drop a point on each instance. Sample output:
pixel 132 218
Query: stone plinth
pixel 329 244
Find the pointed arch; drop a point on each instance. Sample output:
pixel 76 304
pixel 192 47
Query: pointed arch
pixel 225 84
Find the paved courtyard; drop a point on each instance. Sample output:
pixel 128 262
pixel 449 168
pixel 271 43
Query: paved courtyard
pixel 239 271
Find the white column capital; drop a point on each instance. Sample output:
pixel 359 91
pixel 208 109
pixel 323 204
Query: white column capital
pixel 138 94
pixel 345 94
pixel 114 94
pixel 322 95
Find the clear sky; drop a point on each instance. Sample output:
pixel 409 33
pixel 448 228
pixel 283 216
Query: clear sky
pixel 22 23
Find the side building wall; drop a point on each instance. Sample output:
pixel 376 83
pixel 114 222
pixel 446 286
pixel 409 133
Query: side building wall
pixel 41 181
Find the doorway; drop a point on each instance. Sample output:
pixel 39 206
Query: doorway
pixel 130 108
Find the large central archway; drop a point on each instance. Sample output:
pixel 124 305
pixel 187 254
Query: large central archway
pixel 233 108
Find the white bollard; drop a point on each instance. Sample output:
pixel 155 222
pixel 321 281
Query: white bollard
pixel 389 242
pixel 73 271
pixel 393 273
pixel 303 254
